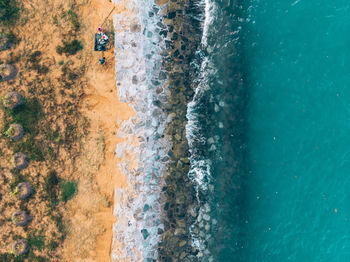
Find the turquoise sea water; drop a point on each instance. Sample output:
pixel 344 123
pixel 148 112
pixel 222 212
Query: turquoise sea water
pixel 270 127
pixel 297 62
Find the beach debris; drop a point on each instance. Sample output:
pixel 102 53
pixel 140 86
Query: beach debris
pixel 15 131
pixel 20 218
pixel 11 100
pixel 20 160
pixel 20 247
pixel 7 72
pixel 23 190
pixel 102 60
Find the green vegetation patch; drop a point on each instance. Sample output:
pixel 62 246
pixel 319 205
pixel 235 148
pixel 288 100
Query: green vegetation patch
pixel 73 17
pixel 69 48
pixel 8 11
pixel 68 189
pixel 36 241
pixel 29 115
pixel 50 187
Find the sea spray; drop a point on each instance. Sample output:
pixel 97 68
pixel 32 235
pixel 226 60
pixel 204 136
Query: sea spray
pixel 216 133
pixel 183 20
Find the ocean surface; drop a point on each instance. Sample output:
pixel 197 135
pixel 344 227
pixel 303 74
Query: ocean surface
pixel 268 131
pixel 273 107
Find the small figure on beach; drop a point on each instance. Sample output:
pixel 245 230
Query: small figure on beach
pixel 102 60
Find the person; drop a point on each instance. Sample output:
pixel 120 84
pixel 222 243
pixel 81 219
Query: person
pixel 102 60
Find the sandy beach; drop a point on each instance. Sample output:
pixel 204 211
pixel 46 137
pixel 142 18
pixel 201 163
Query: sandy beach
pixel 101 106
pixel 90 159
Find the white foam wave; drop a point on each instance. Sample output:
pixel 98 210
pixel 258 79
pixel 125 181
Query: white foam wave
pixel 138 208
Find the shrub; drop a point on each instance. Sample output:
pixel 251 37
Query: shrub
pixel 74 19
pixel 8 11
pixel 69 48
pixel 50 185
pixel 36 241
pixel 68 188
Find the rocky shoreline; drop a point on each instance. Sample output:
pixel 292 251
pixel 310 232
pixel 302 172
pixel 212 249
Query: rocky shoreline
pixel 180 205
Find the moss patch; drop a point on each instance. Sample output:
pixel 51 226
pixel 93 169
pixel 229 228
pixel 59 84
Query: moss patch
pixel 68 190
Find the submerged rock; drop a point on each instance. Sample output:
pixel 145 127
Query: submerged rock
pixel 20 160
pixel 15 131
pixel 11 100
pixel 20 247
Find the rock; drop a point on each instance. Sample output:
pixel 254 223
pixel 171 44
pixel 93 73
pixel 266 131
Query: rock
pixel 182 243
pixel 23 190
pixel 179 231
pixel 20 247
pixel 206 217
pixel 145 233
pixel 180 199
pixel 15 131
pixel 145 208
pixel 20 161
pixel 11 100
pixel 183 254
pixel 135 28
pixel 20 218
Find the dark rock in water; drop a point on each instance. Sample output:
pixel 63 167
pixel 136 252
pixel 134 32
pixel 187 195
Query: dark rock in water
pixel 11 100
pixel 145 233
pixel 134 79
pixel 23 190
pixel 171 154
pixel 174 37
pixel 20 160
pixel 20 218
pixel 163 32
pixel 171 15
pixel 15 131
pixel 162 75
pixel 20 247
pixel 156 83
pixel 145 208
pixel 160 231
pixel 161 25
pixel 157 103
